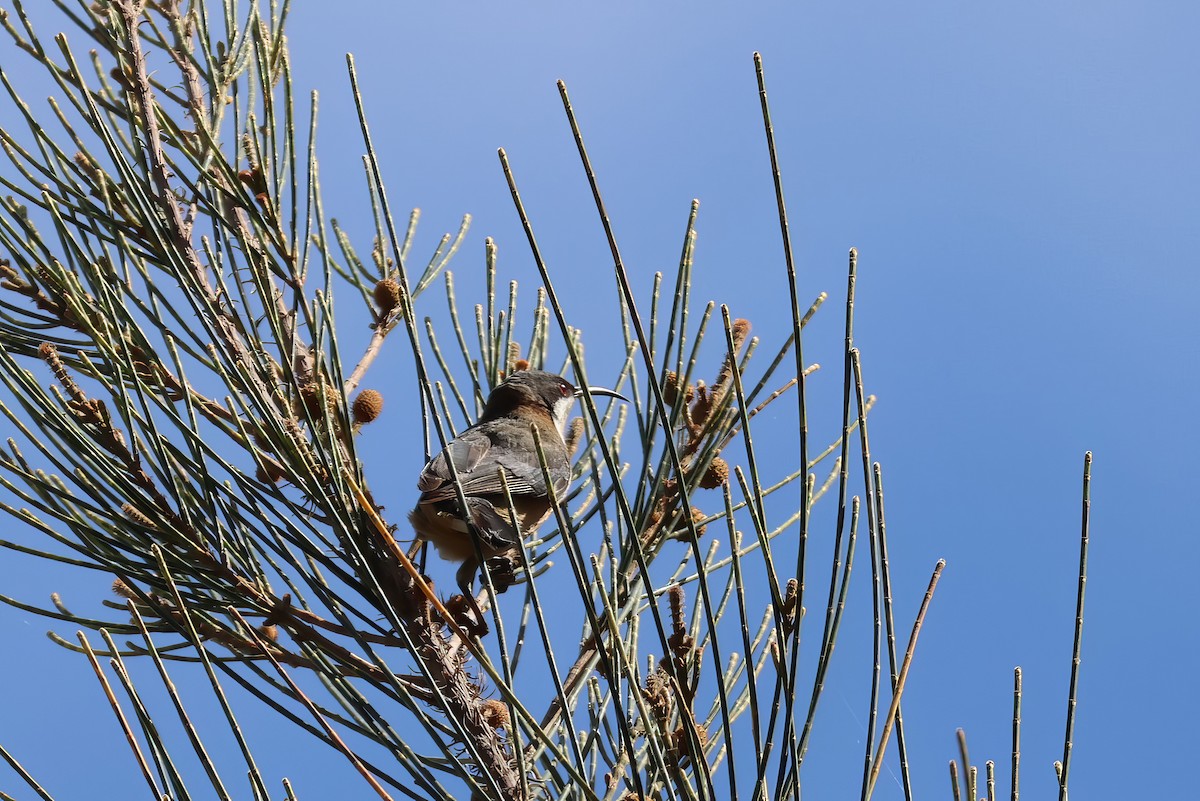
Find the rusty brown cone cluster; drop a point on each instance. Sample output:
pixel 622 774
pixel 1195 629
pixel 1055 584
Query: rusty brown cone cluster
pixel 696 404
pixel 367 406
pixel 387 295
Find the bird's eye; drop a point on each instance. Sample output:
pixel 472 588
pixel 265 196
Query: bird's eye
pixel 565 389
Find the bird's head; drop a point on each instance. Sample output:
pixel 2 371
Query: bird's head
pixel 540 390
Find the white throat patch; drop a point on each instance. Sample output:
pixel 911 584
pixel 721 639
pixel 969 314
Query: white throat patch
pixel 562 410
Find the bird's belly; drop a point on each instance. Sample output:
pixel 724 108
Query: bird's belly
pixel 454 547
pixel 447 532
pixel 450 535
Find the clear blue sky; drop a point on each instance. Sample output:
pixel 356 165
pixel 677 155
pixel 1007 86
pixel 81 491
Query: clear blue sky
pixel 1020 181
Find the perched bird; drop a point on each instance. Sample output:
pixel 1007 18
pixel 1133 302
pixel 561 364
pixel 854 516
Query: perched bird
pixel 502 441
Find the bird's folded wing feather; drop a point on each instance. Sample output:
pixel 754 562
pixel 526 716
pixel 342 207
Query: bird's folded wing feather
pixel 478 466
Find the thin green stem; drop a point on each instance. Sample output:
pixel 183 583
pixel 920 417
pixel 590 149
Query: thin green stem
pixel 1085 519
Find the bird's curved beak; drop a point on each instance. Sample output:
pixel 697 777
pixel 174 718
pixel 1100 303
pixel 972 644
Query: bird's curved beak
pixel 601 391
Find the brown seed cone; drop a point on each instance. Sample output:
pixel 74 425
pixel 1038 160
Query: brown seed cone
pixel 514 358
pixel 253 180
pixel 495 713
pixel 658 694
pixel 387 295
pixel 574 435
pixel 682 746
pixel 262 441
pixel 122 589
pixel 136 515
pixel 270 471
pixel 673 389
pixel 739 331
pixel 702 408
pixel 367 406
pixel 716 475
pixel 312 395
pixel 675 599
pixel 670 388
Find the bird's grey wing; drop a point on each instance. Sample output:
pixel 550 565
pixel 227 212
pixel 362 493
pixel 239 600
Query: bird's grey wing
pixel 530 475
pixel 477 465
pixel 465 452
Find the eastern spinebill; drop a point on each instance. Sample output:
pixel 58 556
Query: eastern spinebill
pixel 501 442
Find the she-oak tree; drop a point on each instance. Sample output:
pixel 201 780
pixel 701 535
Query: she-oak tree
pixel 185 417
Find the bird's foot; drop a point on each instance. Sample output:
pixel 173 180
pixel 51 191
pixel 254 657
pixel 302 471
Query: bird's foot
pixel 503 572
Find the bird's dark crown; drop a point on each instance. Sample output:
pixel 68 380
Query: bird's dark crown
pixel 528 387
